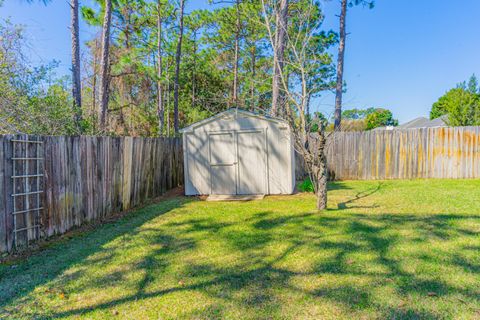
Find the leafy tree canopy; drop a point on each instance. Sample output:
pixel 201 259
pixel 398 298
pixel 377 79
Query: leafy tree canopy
pixel 365 3
pixel 356 114
pixel 230 35
pixel 32 99
pixel 316 121
pixel 461 104
pixel 379 118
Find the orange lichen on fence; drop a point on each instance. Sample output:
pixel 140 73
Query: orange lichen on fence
pixel 412 153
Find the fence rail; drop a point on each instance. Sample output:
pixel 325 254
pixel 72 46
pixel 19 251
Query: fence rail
pixel 82 179
pixel 405 154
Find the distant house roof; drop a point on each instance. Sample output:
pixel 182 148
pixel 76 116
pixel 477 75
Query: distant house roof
pixel 422 122
pixel 419 122
pixel 440 122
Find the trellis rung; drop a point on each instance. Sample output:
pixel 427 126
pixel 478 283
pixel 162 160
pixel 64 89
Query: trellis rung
pixel 28 176
pixel 27 141
pixel 27 228
pixel 26 193
pixel 29 210
pixel 26 159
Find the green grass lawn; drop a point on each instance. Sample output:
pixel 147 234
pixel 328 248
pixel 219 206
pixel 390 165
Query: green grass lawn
pixel 385 250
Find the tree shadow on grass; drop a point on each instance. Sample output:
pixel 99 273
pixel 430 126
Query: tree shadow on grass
pixel 358 196
pixel 338 185
pixel 18 280
pixel 253 281
pixel 269 245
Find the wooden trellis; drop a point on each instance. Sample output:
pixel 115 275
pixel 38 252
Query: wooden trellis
pixel 49 185
pixel 27 185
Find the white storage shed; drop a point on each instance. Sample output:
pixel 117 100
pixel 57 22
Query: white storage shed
pixel 237 152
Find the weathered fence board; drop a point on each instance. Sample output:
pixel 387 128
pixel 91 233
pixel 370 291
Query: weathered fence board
pixel 87 179
pixel 405 154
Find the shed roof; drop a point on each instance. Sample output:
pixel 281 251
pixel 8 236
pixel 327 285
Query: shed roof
pixel 228 112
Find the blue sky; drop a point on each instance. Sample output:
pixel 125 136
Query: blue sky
pixel 401 55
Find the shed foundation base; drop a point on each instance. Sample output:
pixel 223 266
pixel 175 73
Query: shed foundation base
pixel 218 197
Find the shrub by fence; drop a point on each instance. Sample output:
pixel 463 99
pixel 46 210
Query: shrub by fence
pixel 405 154
pixel 48 185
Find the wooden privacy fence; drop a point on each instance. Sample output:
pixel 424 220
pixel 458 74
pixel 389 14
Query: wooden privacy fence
pixel 405 154
pixel 48 185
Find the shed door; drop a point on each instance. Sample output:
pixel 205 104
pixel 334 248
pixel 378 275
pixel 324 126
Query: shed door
pixel 223 163
pixel 251 162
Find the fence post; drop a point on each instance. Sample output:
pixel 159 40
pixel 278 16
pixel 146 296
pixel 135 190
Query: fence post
pixel 8 191
pixel 3 198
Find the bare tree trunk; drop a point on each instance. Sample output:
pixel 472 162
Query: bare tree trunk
pixel 160 106
pixel 76 82
pixel 321 169
pixel 297 107
pixel 340 62
pixel 177 69
pixel 278 57
pixel 309 100
pixel 316 164
pixel 104 64
pixel 236 57
pixel 322 192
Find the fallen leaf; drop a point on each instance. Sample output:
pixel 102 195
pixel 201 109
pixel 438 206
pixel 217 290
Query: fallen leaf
pixel 461 300
pixel 432 294
pixel 115 312
pixel 181 283
pixel 350 261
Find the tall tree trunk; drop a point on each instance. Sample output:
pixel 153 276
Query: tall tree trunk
pixel 279 54
pixel 168 94
pixel 94 79
pixel 236 55
pixel 341 57
pixel 76 82
pixel 126 87
pixel 253 52
pixel 104 65
pixel 160 106
pixel 194 68
pixel 177 69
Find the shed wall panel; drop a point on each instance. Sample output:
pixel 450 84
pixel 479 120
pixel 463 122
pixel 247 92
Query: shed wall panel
pixel 197 171
pixel 277 148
